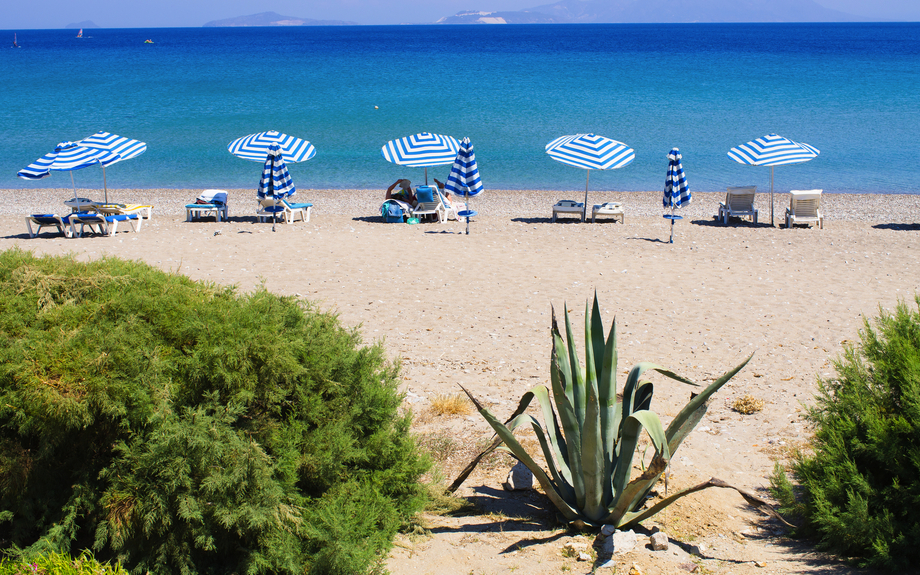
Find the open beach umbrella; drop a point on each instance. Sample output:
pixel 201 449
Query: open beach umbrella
pixel 421 151
pixel 276 182
pixel 772 150
pixel 676 188
pixel 590 152
pixel 255 147
pixel 123 148
pixel 67 156
pixel 464 178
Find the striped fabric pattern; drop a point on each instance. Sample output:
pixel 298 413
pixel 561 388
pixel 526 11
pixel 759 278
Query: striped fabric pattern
pixel 124 148
pixel 255 147
pixel 590 152
pixel 772 150
pixel 66 156
pixel 276 182
pixel 676 189
pixel 464 177
pixel 421 150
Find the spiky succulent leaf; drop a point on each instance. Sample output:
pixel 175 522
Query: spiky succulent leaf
pixel 556 439
pixel 597 336
pixel 560 376
pixel 563 485
pixel 592 440
pixel 607 399
pixel 578 381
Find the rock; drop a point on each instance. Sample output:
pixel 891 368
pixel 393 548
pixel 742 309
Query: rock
pixel 689 567
pixel 760 563
pixel 519 478
pixel 698 549
pixel 619 542
pixel 659 541
pixel 634 569
pixel 606 530
pixel 584 557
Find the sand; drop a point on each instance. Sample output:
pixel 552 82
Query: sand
pixel 475 310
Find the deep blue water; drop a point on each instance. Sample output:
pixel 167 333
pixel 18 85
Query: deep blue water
pixel 851 90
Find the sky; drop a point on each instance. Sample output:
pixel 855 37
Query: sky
pixel 191 13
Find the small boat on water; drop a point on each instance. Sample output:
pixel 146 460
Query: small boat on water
pixel 80 33
pixel 15 44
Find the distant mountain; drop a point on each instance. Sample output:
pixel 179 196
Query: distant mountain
pixel 83 24
pixel 519 17
pixel 666 11
pixel 274 19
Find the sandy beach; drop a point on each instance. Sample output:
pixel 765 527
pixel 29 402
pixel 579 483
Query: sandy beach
pixel 475 310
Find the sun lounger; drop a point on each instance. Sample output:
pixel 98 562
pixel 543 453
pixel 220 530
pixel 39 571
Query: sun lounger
pixel 102 224
pixel 428 204
pixel 566 207
pixel 611 209
pixel 284 210
pixel 47 220
pixel 804 208
pixel 450 211
pixel 739 202
pixel 123 209
pixel 209 203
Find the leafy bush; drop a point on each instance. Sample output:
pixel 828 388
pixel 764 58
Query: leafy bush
pixel 860 488
pixel 59 564
pixel 178 427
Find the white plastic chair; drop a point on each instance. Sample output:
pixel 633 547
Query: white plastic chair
pixel 568 207
pixel 804 208
pixel 739 202
pixel 611 209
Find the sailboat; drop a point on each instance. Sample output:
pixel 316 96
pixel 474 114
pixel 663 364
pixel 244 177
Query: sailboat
pixel 15 44
pixel 80 33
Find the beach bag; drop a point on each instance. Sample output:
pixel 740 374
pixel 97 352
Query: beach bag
pixel 392 212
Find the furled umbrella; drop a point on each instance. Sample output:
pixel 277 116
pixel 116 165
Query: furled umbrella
pixel 676 188
pixel 464 178
pixel 421 151
pixel 67 156
pixel 590 152
pixel 276 182
pixel 123 148
pixel 772 150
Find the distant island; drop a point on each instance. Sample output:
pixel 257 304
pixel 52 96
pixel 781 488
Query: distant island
pixel 658 12
pixel 83 24
pixel 273 19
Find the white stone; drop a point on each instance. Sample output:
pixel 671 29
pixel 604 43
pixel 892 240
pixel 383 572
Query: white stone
pixel 698 549
pixel 659 541
pixel 584 557
pixel 619 542
pixel 519 478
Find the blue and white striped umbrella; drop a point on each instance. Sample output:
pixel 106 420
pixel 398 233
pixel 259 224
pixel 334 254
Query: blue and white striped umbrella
pixel 676 189
pixel 123 148
pixel 276 182
pixel 464 177
pixel 772 150
pixel 66 156
pixel 255 147
pixel 590 152
pixel 421 151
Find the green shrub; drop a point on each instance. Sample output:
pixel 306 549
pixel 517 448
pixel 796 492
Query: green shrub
pixel 178 427
pixel 58 564
pixel 860 488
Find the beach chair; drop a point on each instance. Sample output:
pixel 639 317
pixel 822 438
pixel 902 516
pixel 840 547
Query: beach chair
pixel 102 224
pixel 48 220
pixel 285 210
pixel 208 203
pixel 450 211
pixel 739 202
pixel 427 204
pixel 611 209
pixel 566 207
pixel 804 208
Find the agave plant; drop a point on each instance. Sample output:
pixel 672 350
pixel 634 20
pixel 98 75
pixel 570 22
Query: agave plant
pixel 590 438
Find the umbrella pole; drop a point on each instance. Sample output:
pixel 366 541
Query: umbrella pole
pixel 73 184
pixel 104 187
pixel 584 211
pixel 671 241
pixel 426 175
pixel 771 195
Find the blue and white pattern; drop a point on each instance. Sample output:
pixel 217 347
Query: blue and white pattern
pixel 124 148
pixel 276 182
pixel 772 150
pixel 66 156
pixel 676 188
pixel 464 177
pixel 590 152
pixel 255 147
pixel 421 150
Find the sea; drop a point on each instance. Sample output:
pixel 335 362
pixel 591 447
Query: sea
pixel 851 90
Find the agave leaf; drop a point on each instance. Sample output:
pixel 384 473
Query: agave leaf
pixel 597 337
pixel 643 396
pixel 507 436
pixel 607 400
pixel 556 439
pixel 577 382
pixel 564 486
pixel 629 438
pixel 592 442
pixel 559 358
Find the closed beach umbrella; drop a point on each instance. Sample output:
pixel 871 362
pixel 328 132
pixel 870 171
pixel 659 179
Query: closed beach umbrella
pixel 464 178
pixel 276 182
pixel 676 188
pixel 590 152
pixel 67 156
pixel 255 147
pixel 772 150
pixel 421 151
pixel 123 148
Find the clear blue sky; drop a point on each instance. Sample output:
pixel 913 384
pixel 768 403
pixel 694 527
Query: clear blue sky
pixel 168 13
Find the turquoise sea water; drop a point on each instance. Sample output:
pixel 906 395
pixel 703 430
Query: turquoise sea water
pixel 851 90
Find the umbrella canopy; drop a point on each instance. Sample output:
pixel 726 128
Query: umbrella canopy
pixel 255 147
pixel 590 152
pixel 772 150
pixel 676 189
pixel 464 178
pixel 421 151
pixel 123 148
pixel 66 156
